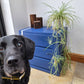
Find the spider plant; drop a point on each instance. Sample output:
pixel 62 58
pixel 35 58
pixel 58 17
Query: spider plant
pixel 63 17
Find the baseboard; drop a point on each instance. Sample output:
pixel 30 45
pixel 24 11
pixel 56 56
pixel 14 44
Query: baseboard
pixel 77 57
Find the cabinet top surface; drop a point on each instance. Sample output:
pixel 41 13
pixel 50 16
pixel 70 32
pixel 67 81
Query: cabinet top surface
pixel 40 30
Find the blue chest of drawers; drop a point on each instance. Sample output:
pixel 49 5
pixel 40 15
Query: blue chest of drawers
pixel 42 56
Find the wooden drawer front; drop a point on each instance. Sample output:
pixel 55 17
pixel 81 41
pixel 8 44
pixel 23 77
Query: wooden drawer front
pixel 40 62
pixel 42 68
pixel 40 40
pixel 39 68
pixel 43 53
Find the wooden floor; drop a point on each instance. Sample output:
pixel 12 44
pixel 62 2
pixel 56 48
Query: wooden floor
pixel 73 76
pixel 40 77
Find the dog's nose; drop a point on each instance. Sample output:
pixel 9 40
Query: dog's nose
pixel 12 61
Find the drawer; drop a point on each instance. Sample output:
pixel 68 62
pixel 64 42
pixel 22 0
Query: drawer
pixel 39 68
pixel 45 70
pixel 40 40
pixel 43 53
pixel 40 62
pixel 43 65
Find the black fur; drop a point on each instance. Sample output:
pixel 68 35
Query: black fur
pixel 9 47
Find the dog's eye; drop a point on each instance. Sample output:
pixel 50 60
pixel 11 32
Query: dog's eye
pixel 19 44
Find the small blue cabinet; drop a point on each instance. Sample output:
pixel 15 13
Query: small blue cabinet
pixel 42 56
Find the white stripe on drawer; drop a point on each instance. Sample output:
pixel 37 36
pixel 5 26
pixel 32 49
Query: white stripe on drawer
pixel 22 31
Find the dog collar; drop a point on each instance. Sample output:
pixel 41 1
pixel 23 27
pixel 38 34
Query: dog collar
pixel 14 78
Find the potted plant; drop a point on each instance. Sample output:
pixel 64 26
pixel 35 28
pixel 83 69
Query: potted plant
pixel 58 20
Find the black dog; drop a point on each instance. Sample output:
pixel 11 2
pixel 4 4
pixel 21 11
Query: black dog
pixel 15 51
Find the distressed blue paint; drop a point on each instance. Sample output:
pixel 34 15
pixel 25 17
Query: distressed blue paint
pixel 43 53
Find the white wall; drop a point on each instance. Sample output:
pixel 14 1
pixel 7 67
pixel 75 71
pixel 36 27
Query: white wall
pixel 75 35
pixel 7 17
pixel 19 14
pixel 21 9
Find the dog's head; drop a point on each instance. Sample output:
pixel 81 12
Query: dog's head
pixel 15 50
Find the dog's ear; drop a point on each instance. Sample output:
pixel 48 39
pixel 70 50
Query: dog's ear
pixel 30 47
